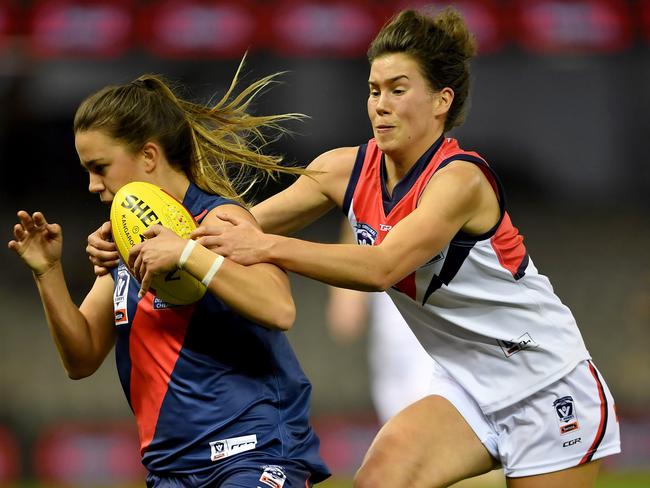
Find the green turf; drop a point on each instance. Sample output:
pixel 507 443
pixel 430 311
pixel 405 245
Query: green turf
pixel 605 480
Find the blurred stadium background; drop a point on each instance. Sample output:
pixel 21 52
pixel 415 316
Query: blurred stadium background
pixel 560 109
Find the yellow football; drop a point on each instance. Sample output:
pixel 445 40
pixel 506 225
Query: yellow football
pixel 136 207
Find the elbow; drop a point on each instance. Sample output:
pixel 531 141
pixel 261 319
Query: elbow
pixel 283 316
pixel 380 281
pixel 286 317
pixel 79 372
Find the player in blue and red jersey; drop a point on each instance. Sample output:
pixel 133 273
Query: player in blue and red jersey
pixel 217 392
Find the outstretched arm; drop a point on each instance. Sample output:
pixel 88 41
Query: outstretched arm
pixel 458 197
pixel 84 335
pixel 309 197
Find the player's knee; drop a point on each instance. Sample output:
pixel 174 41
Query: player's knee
pixel 368 477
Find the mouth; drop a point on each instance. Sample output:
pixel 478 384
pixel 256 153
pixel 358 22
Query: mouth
pixel 383 128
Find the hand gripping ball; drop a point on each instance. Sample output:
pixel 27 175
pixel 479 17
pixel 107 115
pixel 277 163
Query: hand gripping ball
pixel 136 207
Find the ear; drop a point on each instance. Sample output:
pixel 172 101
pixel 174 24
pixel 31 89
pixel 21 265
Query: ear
pixel 443 101
pixel 152 155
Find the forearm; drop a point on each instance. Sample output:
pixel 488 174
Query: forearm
pixel 365 268
pixel 259 292
pixel 68 326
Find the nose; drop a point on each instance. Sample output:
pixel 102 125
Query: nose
pixel 381 104
pixel 95 184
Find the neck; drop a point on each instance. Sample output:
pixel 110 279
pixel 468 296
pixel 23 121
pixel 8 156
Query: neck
pixel 398 163
pixel 174 182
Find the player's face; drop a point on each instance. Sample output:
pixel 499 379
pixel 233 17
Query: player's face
pixel 110 163
pixel 401 107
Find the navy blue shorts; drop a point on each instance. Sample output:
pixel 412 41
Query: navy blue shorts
pixel 245 472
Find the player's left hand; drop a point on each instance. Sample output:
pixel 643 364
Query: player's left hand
pixel 158 254
pixel 240 241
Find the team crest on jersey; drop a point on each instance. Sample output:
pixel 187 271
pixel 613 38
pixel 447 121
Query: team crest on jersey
pixel 566 414
pixel 366 235
pixel 121 295
pixel 273 476
pixel 513 347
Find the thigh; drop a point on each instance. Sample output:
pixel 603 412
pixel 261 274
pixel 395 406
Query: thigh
pixel 583 476
pixel 428 444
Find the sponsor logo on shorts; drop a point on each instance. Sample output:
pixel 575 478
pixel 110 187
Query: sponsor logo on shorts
pixel 566 414
pixel 514 346
pixel 572 442
pixel 273 476
pixel 366 235
pixel 227 447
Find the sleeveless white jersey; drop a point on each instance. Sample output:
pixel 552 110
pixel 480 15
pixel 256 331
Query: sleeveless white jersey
pixel 480 307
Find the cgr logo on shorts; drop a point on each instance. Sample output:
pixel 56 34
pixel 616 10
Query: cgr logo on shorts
pixel 273 476
pixel 366 235
pixel 572 442
pixel 566 413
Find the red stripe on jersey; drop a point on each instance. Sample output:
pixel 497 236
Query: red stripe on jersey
pixel 198 218
pixel 508 245
pixel 407 286
pixel 603 418
pixel 154 347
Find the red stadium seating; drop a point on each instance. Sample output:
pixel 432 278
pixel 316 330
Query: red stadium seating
pixel 483 18
pixel 323 28
pixel 573 26
pixel 77 28
pixel 9 457
pixel 198 28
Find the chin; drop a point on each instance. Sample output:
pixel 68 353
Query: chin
pixel 385 144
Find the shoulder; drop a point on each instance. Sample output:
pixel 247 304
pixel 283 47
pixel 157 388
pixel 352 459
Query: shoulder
pixel 231 209
pixel 335 159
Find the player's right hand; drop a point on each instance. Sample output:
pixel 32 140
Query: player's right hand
pixel 38 243
pixel 101 250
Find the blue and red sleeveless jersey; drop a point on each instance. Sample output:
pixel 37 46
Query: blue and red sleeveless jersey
pixel 205 383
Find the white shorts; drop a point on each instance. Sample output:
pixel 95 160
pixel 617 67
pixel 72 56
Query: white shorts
pixel 568 423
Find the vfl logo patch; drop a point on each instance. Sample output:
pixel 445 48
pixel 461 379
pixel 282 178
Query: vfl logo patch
pixel 273 476
pixel 513 347
pixel 566 414
pixel 227 447
pixel 366 235
pixel 121 295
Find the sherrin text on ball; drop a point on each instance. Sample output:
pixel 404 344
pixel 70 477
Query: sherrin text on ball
pixel 136 207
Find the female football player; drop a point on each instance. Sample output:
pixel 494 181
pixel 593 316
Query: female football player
pixel 217 392
pixel 515 385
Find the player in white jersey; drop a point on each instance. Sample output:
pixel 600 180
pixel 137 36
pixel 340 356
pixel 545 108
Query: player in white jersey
pixel 515 386
pixel 400 369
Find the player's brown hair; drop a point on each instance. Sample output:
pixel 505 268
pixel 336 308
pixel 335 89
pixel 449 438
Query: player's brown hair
pixel 440 44
pixel 219 147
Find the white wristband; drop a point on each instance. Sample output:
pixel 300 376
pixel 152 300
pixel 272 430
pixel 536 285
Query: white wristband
pixel 216 264
pixel 185 255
